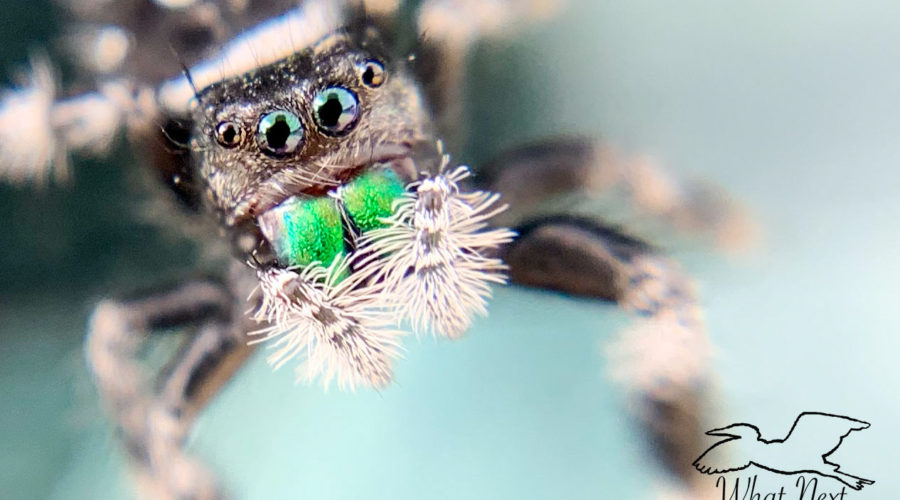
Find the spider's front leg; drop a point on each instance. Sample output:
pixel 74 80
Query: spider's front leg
pixel 154 414
pixel 579 174
pixel 448 29
pixel 662 358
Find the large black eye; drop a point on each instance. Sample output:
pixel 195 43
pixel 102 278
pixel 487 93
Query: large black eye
pixel 228 134
pixel 336 110
pixel 372 73
pixel 279 132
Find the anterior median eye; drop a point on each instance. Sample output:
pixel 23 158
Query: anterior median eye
pixel 336 110
pixel 279 133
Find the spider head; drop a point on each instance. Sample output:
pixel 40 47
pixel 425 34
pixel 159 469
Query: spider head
pixel 302 127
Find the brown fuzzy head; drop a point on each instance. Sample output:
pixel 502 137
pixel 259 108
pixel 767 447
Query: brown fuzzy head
pixel 304 125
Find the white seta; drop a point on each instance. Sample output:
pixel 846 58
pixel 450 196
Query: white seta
pixel 29 149
pixel 37 131
pixel 429 266
pixel 435 253
pixel 333 317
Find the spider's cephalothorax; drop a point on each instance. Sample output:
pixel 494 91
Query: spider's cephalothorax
pixel 320 164
pixel 311 140
pixel 305 125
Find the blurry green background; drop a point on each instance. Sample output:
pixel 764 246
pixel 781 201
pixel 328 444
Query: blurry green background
pixel 793 106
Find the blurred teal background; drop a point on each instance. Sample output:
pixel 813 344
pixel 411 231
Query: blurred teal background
pixel 793 106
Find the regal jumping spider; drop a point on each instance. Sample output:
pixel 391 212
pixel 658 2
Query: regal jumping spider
pixel 307 140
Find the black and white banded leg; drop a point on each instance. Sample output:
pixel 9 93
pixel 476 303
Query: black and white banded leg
pixel 582 175
pixel 154 413
pixel 662 357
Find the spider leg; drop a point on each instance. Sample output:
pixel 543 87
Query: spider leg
pixel 154 416
pixel 448 29
pixel 38 130
pixel 662 357
pixel 581 175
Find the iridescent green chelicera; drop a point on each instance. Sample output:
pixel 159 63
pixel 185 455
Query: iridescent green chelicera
pixel 304 230
pixel 370 197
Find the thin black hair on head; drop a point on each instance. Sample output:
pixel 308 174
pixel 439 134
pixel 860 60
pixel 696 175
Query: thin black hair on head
pixel 185 71
pixel 190 79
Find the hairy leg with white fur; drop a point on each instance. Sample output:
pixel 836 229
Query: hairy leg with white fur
pixel 663 359
pixel 153 412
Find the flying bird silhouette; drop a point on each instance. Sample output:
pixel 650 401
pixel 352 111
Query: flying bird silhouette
pixel 813 437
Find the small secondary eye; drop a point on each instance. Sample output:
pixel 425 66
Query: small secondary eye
pixel 279 132
pixel 336 110
pixel 372 73
pixel 228 134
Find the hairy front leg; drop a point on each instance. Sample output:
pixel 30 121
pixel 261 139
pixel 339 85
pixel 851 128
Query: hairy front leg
pixel 662 358
pixel 154 412
pixel 579 174
pixel 448 30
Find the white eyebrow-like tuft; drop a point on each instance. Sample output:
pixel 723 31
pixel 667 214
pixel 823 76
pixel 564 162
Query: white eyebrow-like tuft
pixel 266 43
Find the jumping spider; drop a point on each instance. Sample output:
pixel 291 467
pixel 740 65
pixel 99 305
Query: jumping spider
pixel 307 140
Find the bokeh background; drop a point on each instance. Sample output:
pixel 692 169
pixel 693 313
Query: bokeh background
pixel 793 106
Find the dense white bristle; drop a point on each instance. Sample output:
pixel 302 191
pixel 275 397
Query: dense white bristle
pixel 667 349
pixel 661 355
pixel 433 253
pixel 429 266
pixel 332 317
pixel 29 149
pixel 37 132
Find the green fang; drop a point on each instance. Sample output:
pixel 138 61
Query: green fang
pixel 370 197
pixel 305 230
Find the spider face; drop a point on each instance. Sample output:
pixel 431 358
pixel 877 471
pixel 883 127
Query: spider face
pixel 304 126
